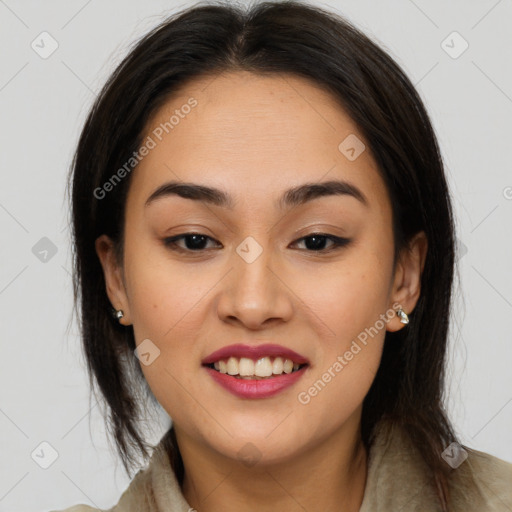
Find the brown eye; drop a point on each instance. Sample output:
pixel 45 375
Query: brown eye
pixel 192 241
pixel 317 241
pixel 197 242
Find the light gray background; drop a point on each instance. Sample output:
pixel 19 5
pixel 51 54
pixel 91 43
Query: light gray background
pixel 44 390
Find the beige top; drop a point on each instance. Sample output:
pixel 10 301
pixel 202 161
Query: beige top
pixel 397 480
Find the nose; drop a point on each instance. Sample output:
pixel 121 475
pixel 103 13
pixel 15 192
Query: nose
pixel 255 294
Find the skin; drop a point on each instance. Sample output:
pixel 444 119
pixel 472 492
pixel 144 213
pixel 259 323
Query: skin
pixel 255 137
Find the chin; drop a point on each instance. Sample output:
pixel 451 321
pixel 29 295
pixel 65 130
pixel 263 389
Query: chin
pixel 259 444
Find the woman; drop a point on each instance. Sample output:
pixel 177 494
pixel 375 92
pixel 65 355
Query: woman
pixel 264 246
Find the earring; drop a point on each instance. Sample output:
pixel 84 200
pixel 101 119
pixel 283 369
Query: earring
pixel 403 316
pixel 117 313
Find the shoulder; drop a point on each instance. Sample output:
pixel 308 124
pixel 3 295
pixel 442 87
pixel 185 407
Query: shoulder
pixel 489 467
pixel 491 480
pixel 398 478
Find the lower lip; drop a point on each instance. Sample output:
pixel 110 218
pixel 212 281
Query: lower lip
pixel 264 388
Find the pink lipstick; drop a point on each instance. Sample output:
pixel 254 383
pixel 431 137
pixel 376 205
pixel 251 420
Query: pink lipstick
pixel 281 369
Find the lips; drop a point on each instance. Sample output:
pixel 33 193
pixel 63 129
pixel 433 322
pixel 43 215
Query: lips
pixel 256 389
pixel 255 386
pixel 254 353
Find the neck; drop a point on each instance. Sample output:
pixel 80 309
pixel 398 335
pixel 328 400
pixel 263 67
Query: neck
pixel 328 476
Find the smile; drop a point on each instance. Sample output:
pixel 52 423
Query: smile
pixel 255 371
pixel 264 368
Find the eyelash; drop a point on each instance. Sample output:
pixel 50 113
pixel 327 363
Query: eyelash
pixel 337 242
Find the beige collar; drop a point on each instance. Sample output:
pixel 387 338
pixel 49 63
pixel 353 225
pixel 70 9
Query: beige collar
pixel 397 480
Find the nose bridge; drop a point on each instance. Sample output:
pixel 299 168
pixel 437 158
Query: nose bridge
pixel 251 272
pixel 254 294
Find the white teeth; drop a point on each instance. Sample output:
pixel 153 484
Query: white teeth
pixel 232 366
pixel 246 366
pixel 288 366
pixel 263 367
pixel 277 366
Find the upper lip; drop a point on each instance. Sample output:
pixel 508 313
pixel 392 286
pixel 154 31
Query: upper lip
pixel 254 352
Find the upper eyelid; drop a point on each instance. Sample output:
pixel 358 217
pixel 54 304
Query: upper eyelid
pixel 190 233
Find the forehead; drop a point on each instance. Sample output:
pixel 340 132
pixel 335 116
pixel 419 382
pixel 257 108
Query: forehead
pixel 243 132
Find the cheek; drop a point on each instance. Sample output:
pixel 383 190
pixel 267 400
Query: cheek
pixel 332 395
pixel 167 313
pixel 163 298
pixel 349 359
pixel 353 304
pixel 347 297
pixel 166 308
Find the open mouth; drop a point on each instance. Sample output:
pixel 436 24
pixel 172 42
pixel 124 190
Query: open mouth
pixel 260 369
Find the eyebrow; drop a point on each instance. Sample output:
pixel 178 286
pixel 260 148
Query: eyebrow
pixel 292 197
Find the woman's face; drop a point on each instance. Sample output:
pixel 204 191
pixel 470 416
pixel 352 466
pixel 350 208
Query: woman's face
pixel 255 275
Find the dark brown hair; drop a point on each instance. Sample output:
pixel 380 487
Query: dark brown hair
pixel 306 41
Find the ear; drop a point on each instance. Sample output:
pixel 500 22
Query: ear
pixel 406 287
pixel 115 286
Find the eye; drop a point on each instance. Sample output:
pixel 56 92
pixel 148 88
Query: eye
pixel 197 242
pixel 193 242
pixel 317 241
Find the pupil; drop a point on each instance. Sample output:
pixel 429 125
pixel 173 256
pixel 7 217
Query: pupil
pixel 318 242
pixel 198 241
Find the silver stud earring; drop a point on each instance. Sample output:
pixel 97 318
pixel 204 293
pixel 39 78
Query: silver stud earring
pixel 117 313
pixel 403 316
